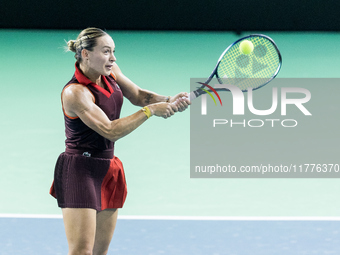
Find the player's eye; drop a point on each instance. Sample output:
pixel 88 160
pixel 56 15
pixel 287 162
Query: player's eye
pixel 108 52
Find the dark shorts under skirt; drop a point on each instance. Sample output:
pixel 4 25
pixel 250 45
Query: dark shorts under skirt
pixel 89 182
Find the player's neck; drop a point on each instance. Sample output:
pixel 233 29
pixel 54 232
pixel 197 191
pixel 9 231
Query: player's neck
pixel 94 77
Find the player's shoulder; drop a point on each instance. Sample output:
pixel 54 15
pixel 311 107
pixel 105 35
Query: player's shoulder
pixel 75 91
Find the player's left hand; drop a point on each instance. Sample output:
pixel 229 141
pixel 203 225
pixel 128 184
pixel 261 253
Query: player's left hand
pixel 181 100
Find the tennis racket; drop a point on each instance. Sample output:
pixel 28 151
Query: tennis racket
pixel 253 70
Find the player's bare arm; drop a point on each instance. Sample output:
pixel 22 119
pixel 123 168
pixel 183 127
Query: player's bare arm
pixel 78 101
pixel 142 97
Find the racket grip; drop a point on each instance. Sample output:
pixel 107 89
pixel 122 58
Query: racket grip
pixel 192 96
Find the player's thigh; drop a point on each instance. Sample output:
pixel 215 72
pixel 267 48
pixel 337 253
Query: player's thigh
pixel 80 227
pixel 106 224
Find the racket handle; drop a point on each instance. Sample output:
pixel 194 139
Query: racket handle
pixel 192 96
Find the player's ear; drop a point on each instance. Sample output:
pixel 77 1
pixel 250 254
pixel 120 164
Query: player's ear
pixel 84 53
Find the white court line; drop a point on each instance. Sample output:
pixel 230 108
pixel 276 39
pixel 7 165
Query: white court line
pixel 230 218
pixel 198 218
pixel 31 216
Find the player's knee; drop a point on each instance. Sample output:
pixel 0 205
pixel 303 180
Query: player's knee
pixel 86 252
pixel 100 252
pixel 81 250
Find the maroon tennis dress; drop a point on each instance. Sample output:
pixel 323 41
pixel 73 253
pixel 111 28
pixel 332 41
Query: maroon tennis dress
pixel 87 174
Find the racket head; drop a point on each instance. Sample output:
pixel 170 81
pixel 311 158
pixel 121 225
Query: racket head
pixel 246 71
pixel 249 71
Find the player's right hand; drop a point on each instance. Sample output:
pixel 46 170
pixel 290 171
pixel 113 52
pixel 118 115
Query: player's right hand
pixel 163 109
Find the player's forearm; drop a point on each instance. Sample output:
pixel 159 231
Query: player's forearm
pixel 124 126
pixel 148 97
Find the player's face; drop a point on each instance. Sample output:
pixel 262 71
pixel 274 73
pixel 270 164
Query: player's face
pixel 102 57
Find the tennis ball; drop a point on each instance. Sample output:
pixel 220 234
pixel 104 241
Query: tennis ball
pixel 246 47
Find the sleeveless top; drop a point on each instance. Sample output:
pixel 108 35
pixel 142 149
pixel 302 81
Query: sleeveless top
pixel 79 137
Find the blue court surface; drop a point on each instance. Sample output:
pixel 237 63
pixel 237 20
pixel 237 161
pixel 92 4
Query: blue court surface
pixel 32 236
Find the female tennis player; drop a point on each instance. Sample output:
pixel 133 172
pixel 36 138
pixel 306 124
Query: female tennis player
pixel 89 181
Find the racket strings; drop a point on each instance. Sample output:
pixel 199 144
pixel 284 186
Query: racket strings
pixel 252 70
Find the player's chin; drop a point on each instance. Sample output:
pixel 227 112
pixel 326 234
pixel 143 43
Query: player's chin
pixel 107 70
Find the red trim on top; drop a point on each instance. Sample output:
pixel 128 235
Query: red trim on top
pixel 108 84
pixel 104 91
pixel 81 77
pixel 86 81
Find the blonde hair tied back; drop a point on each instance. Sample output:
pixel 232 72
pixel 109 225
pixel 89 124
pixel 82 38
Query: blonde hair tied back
pixel 87 39
pixel 71 45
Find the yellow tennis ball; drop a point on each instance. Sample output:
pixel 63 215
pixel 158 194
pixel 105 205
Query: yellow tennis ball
pixel 246 47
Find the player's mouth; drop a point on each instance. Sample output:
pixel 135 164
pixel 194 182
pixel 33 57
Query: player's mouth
pixel 109 67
